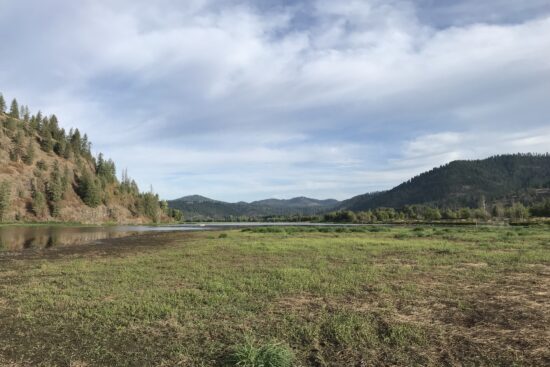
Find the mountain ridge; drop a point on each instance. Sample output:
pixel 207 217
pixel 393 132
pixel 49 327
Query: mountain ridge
pixel 464 183
pixel 506 178
pixel 200 207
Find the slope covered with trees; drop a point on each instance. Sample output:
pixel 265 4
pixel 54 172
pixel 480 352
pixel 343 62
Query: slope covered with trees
pixel 501 186
pixel 198 207
pixel 49 174
pixel 504 178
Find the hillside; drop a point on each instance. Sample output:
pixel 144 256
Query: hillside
pixel 298 202
pixel 48 174
pixel 522 178
pixel 198 207
pixel 515 177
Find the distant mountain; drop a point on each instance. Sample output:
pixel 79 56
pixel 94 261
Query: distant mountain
pixel 195 199
pixel 196 207
pixel 299 202
pixel 514 177
pixel 464 183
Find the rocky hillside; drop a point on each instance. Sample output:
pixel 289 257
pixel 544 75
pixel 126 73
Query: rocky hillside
pixel 49 174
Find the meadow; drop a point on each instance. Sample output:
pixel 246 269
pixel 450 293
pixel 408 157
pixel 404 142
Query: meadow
pixel 361 296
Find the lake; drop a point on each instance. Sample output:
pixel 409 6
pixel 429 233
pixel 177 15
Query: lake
pixel 16 238
pixel 22 237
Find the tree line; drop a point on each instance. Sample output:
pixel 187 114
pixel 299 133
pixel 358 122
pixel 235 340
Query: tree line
pixel 94 179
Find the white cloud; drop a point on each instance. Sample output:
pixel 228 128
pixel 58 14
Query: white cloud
pixel 231 92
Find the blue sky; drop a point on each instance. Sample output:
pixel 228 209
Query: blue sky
pixel 244 100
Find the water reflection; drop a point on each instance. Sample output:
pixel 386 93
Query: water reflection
pixel 15 238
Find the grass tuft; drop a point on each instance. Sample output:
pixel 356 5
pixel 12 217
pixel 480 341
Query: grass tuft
pixel 267 355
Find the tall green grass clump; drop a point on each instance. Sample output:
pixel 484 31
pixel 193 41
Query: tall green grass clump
pixel 267 355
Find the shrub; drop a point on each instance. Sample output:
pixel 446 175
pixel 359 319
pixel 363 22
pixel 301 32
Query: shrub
pixel 41 165
pixel 268 355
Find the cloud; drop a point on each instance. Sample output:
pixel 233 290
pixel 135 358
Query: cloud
pixel 240 99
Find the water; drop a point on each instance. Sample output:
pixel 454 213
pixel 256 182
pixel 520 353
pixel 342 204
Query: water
pixel 21 237
pixel 16 238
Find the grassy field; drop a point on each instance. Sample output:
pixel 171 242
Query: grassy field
pixel 377 296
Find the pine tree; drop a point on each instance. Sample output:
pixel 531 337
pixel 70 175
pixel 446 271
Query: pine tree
pixel 88 190
pixel 2 104
pixel 36 121
pixel 65 180
pixel 55 189
pixel 76 142
pixel 5 198
pixel 38 199
pixel 47 142
pixel 14 109
pixel 164 206
pixel 67 152
pixel 18 151
pixel 26 114
pixel 150 205
pixel 28 158
pixel 59 147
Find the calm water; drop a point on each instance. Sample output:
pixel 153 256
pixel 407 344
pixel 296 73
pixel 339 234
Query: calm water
pixel 15 238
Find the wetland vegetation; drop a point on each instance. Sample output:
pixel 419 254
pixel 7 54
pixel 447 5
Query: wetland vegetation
pixel 301 296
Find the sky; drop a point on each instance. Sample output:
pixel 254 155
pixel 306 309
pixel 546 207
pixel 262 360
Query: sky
pixel 246 100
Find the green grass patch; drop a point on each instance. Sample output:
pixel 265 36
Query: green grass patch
pixel 266 355
pixel 329 296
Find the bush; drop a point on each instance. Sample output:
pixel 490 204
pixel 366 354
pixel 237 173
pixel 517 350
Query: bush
pixel 41 165
pixel 268 355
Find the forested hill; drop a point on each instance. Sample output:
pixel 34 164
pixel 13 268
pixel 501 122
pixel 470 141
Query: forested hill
pixel 514 177
pixel 49 174
pixel 198 207
pixel 521 178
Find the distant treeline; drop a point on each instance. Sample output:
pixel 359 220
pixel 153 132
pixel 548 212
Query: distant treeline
pixel 426 213
pixel 497 212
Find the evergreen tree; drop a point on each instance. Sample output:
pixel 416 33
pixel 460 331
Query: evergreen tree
pixel 88 190
pixel 59 147
pixel 14 109
pixel 65 180
pixel 150 205
pixel 26 114
pixel 105 169
pixel 38 199
pixel 28 158
pixel 11 125
pixel 5 199
pixel 55 189
pixel 17 152
pixel 36 121
pixel 47 142
pixel 76 142
pixel 67 152
pixel 2 104
pixel 164 206
pixel 176 214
